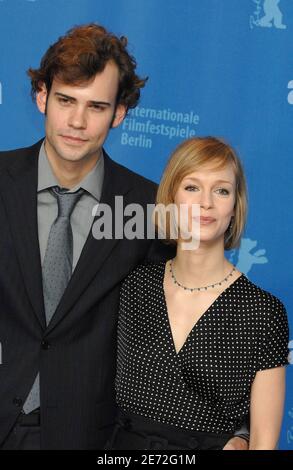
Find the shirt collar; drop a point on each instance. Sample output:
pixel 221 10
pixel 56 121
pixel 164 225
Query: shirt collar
pixel 92 182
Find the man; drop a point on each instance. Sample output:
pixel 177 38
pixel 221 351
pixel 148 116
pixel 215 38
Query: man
pixel 59 283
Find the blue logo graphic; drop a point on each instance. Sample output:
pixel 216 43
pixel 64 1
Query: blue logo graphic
pixel 290 357
pixel 247 258
pixel 290 94
pixel 290 430
pixel 267 14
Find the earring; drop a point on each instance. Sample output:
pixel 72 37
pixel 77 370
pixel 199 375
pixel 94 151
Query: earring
pixel 230 226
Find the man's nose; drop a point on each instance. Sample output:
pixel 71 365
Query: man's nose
pixel 77 118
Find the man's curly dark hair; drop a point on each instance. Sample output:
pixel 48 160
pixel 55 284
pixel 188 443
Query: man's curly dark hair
pixel 82 53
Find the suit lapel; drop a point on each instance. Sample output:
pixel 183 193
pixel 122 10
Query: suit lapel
pixel 19 191
pixel 94 252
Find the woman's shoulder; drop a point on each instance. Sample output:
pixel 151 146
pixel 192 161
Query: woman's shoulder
pixel 145 272
pixel 260 297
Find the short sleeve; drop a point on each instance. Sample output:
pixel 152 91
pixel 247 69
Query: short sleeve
pixel 273 348
pixel 125 307
pixel 129 299
pixel 129 307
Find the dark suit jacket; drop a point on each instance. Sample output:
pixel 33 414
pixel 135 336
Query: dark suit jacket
pixel 76 353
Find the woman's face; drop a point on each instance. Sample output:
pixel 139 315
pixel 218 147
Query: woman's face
pixel 213 191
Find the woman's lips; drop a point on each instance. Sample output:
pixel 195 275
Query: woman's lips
pixel 205 220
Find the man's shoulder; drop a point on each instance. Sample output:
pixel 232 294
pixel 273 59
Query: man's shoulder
pixel 130 175
pixel 15 157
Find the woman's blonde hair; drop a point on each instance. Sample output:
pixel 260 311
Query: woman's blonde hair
pixel 188 157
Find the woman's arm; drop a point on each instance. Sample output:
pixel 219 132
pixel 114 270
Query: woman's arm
pixel 266 409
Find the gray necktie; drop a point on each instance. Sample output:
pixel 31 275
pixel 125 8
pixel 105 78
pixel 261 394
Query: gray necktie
pixel 56 269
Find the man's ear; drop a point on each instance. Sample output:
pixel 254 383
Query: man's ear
pixel 119 115
pixel 41 98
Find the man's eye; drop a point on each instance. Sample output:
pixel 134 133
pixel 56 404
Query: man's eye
pixel 97 107
pixel 63 100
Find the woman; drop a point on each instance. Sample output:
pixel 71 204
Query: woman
pixel 199 345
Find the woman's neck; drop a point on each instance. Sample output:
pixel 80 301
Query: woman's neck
pixel 206 265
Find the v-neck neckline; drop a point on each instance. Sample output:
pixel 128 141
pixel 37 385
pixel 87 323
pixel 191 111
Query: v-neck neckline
pixel 201 318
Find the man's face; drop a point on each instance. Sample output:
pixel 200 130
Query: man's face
pixel 78 118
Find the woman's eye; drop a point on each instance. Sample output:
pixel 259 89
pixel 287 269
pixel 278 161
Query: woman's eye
pixel 223 191
pixel 191 188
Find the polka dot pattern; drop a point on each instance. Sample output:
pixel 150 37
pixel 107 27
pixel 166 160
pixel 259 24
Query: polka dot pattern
pixel 206 385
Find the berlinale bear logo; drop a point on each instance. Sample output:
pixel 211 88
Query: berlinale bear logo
pixel 290 94
pixel 247 258
pixel 267 14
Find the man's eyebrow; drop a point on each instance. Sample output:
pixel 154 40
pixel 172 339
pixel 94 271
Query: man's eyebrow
pixel 92 102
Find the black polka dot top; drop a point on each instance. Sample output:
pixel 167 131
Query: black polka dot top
pixel 206 385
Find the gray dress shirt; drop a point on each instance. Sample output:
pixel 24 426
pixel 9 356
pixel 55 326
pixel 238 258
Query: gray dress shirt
pixel 81 217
